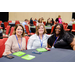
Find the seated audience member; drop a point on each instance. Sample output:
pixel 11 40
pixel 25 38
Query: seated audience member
pixel 48 22
pixel 16 41
pixel 31 22
pixel 38 40
pixel 35 20
pixel 72 21
pixel 61 39
pixel 59 20
pixel 25 23
pixel 40 21
pixel 52 21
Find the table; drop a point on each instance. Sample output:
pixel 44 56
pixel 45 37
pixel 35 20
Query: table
pixel 55 55
pixel 33 30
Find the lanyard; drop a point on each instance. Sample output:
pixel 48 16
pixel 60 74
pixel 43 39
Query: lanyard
pixel 56 40
pixel 41 41
pixel 18 42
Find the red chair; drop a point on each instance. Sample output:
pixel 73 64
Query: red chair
pixel 65 28
pixel 5 24
pixel 52 29
pixel 17 22
pixel 0 25
pixel 27 30
pixel 11 32
pixel 26 37
pixel 44 23
pixel 73 29
pixel 34 23
pixel 9 21
pixel 2 46
pixel 7 32
pixel 0 22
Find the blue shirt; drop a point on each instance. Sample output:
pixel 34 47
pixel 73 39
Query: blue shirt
pixel 24 23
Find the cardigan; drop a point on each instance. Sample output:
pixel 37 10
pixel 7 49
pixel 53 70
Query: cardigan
pixel 11 44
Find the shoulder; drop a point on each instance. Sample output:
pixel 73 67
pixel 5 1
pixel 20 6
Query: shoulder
pixel 66 34
pixel 11 37
pixel 33 36
pixel 51 37
pixel 46 35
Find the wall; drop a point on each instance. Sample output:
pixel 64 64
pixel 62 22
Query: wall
pixel 66 16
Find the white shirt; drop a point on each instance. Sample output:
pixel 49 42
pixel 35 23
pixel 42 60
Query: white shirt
pixel 34 41
pixel 71 22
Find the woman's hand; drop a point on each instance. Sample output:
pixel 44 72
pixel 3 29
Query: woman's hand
pixel 8 53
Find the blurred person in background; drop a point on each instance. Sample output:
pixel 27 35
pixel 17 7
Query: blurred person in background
pixel 25 23
pixel 36 20
pixel 31 22
pixel 59 20
pixel 72 21
pixel 48 22
pixel 39 21
pixel 52 21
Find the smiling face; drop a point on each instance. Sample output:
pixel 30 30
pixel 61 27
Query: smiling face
pixel 57 30
pixel 19 31
pixel 41 30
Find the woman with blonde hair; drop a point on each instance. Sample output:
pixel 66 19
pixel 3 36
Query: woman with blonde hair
pixel 38 40
pixel 16 41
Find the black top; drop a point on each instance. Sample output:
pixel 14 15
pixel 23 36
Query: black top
pixel 57 20
pixel 62 42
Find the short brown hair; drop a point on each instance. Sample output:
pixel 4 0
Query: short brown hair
pixel 26 20
pixel 14 32
pixel 38 28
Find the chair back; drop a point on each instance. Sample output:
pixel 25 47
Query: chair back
pixel 26 37
pixel 11 32
pixel 0 22
pixel 34 22
pixel 73 26
pixel 64 27
pixel 5 24
pixel 27 28
pixel 7 30
pixel 2 46
pixel 52 29
pixel 17 22
pixel 44 23
pixel 9 21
